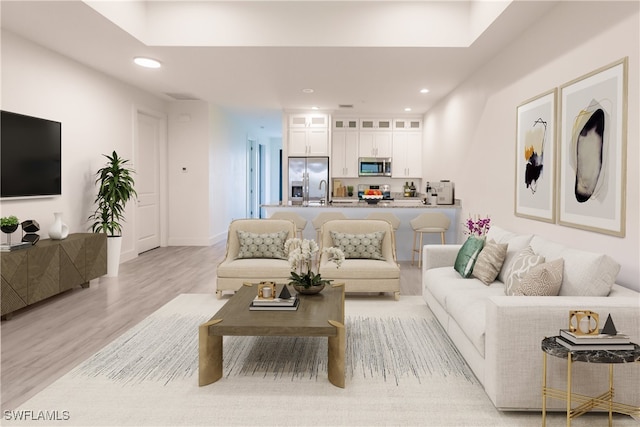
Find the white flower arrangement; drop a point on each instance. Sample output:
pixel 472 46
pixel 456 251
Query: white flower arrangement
pixel 301 253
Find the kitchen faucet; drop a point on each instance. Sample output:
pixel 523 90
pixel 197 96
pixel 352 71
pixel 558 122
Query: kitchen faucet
pixel 324 194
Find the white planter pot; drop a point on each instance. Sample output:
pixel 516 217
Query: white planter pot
pixel 114 245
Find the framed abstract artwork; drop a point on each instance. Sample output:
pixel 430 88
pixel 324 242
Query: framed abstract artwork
pixel 535 157
pixel 593 144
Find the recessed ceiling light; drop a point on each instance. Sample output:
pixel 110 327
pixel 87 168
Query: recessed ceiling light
pixel 424 90
pixel 407 109
pixel 314 108
pixel 147 62
pixel 307 90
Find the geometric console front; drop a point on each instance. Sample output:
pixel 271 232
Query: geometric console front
pixel 49 268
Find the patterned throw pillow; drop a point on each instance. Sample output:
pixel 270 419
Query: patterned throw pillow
pixel 467 255
pixel 490 261
pixel 364 246
pixel 542 280
pixel 269 245
pixel 524 261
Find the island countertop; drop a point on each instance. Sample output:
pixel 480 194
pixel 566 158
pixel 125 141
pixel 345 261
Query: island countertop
pixel 403 209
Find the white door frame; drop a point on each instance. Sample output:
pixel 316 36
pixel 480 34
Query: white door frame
pixel 162 168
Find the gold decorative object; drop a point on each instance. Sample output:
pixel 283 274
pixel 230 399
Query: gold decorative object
pixel 583 322
pixel 270 293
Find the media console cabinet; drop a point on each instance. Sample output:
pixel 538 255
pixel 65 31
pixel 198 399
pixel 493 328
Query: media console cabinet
pixel 49 268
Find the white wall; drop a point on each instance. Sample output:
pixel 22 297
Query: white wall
pixel 470 136
pixel 97 114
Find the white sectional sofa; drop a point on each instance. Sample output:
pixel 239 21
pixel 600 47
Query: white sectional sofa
pixel 499 336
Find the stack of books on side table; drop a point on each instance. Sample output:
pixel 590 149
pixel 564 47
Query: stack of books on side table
pixel 274 304
pixel 606 342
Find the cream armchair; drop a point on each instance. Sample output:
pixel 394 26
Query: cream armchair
pixel 358 274
pixel 240 265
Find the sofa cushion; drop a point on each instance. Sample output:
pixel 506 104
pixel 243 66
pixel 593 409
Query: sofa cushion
pixel 585 273
pixel 489 261
pixel 516 242
pixel 359 246
pixel 467 256
pixel 467 306
pixel 542 280
pixel 524 261
pixel 256 245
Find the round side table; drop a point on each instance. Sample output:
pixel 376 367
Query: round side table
pixel 586 403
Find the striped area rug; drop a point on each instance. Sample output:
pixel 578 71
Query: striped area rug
pixel 401 369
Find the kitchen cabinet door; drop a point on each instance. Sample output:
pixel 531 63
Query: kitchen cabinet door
pixel 375 144
pixel 308 142
pixel 407 155
pixel 344 154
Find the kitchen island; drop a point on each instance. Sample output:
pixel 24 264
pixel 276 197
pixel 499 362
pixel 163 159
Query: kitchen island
pixel 405 210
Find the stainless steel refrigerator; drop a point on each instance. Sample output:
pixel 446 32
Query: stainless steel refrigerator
pixel 308 179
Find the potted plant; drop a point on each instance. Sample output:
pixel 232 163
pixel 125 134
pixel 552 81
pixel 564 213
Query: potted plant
pixel 116 188
pixel 301 253
pixel 9 224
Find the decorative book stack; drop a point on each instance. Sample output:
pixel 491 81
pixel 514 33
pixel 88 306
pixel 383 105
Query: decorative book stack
pixel 284 302
pixel 606 342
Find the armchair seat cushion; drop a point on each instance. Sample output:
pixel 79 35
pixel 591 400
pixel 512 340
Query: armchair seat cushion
pixel 254 268
pixel 360 269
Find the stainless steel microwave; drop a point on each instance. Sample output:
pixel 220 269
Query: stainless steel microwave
pixel 374 166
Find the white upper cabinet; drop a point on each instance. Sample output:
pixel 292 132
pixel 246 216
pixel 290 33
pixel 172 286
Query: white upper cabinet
pixel 344 123
pixel 344 154
pixel 407 155
pixel 407 124
pixel 375 124
pixel 375 144
pixel 308 135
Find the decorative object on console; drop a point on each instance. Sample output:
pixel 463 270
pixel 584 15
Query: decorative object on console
pixel 583 322
pixel 301 253
pixel 609 328
pixel 9 224
pixel 30 228
pixel 116 188
pixel 58 230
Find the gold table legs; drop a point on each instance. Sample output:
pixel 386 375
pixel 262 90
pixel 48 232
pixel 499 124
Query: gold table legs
pixel 586 403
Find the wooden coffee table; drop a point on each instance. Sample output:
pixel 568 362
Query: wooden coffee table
pixel 320 315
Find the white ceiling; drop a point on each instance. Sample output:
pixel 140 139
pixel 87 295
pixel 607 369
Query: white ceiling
pixel 254 58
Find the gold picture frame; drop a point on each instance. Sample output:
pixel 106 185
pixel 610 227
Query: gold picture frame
pixel 535 180
pixel 592 165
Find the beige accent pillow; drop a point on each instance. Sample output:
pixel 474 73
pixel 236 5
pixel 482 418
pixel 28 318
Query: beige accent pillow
pixel 524 261
pixel 268 245
pixel 542 280
pixel 490 261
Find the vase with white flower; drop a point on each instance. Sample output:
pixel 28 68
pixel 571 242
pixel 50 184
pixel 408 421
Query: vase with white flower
pixel 301 253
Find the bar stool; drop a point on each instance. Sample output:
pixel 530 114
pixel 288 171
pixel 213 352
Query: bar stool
pixel 324 217
pixel 389 217
pixel 299 221
pixel 434 222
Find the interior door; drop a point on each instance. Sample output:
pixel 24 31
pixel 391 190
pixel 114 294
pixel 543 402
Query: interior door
pixel 147 179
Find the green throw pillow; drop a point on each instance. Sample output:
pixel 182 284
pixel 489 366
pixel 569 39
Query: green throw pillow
pixel 363 246
pixel 269 245
pixel 467 256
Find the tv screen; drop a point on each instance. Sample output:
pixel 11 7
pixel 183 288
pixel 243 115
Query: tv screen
pixel 30 156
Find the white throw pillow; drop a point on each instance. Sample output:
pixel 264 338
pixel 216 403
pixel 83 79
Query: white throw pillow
pixel 516 242
pixel 542 280
pixel 524 261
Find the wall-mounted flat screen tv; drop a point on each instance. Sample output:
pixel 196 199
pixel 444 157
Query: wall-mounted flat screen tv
pixel 30 156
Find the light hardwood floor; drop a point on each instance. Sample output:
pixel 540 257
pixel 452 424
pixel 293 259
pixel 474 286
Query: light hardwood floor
pixel 45 341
